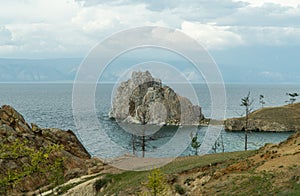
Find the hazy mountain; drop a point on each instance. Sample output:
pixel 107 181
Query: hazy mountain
pixel 64 70
pixel 44 70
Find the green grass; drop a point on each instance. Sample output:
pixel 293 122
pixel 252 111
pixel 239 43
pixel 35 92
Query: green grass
pixel 187 163
pixel 131 181
pixel 294 187
pixel 125 180
pixel 255 184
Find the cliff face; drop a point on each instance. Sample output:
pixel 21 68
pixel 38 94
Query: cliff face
pixel 143 99
pixel 23 145
pixel 276 119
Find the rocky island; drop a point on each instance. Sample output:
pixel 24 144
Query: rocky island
pixel 145 100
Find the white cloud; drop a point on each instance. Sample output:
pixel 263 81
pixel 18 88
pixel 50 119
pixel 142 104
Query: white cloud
pixel 36 28
pixel 268 36
pixel 105 18
pixel 5 36
pixel 40 29
pixel 212 36
pixel 68 28
pixel 291 3
pixel 265 15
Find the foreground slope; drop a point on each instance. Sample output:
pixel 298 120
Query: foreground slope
pixel 273 169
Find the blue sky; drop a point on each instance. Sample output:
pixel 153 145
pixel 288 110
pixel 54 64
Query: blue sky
pixel 250 40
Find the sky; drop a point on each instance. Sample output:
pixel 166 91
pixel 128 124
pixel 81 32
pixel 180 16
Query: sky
pixel 250 40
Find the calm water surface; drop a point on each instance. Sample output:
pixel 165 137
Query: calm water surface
pixel 50 105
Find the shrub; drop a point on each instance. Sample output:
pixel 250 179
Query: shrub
pixel 102 183
pixel 179 189
pixel 156 183
pixel 41 161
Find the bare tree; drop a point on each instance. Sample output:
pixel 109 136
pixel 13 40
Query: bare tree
pixel 247 103
pixel 133 141
pixel 292 97
pixel 140 140
pixel 261 100
pixel 143 121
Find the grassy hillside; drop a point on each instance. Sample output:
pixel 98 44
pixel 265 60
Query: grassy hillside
pixel 288 114
pixel 273 169
pixel 130 182
pixel 282 118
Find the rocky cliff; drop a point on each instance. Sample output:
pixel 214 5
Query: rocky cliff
pixel 144 100
pixel 28 153
pixel 275 119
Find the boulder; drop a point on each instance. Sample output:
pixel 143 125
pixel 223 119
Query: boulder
pixel 9 116
pixel 145 100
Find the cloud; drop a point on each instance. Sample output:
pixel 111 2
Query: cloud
pixel 257 3
pixel 185 9
pixel 212 36
pixel 66 28
pixel 268 36
pixel 265 15
pixel 37 29
pixel 5 36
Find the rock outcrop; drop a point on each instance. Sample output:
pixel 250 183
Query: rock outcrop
pixel 144 100
pixel 273 119
pixel 14 129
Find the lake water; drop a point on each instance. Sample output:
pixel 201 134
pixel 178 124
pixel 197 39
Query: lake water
pixel 50 105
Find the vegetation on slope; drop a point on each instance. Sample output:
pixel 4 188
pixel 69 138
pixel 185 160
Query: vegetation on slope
pixel 131 182
pixel 282 118
pixel 288 115
pixel 272 170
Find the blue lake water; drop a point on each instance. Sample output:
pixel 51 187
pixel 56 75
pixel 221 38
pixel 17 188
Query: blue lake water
pixel 50 105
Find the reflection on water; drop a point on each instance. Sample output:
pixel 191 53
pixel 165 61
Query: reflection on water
pixel 232 141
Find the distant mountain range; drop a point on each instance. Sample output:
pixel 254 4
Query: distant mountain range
pixel 38 70
pixel 65 69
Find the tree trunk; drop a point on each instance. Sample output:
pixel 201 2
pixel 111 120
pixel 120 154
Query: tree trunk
pixel 143 146
pixel 246 139
pixel 133 144
pixel 246 129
